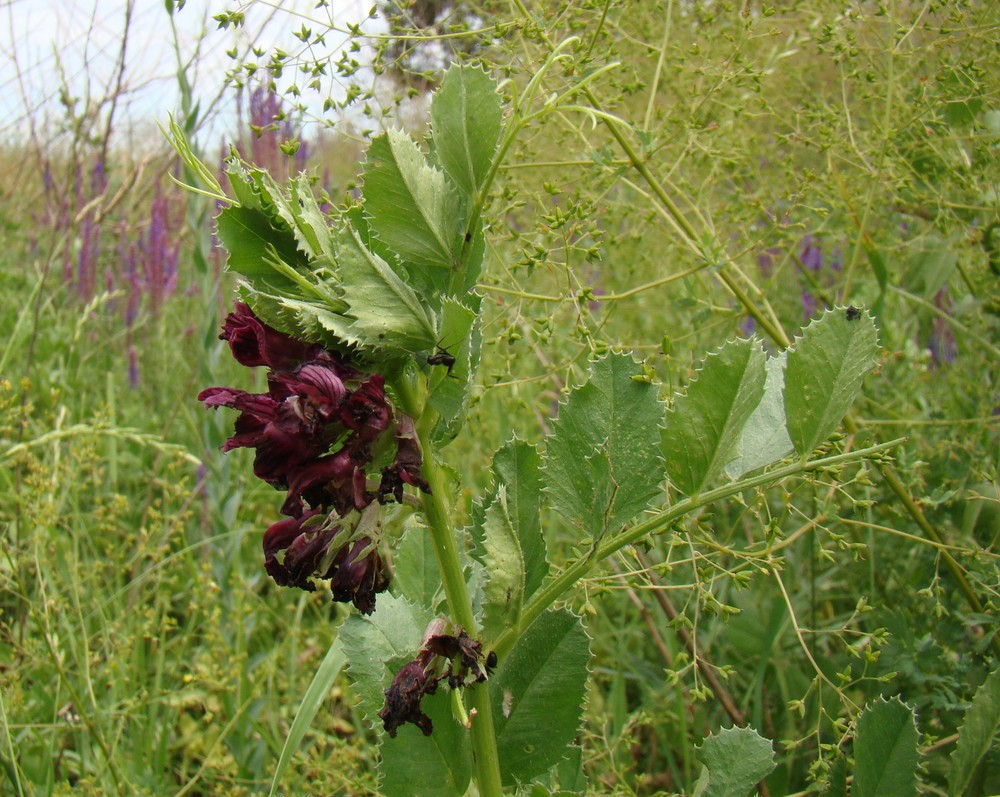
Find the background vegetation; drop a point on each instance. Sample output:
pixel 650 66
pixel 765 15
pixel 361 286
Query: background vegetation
pixel 741 166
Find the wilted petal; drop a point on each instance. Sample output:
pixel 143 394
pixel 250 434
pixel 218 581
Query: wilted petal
pixel 402 699
pixel 279 537
pixel 359 576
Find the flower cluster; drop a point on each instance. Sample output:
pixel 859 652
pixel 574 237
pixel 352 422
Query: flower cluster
pixel 316 431
pixel 456 658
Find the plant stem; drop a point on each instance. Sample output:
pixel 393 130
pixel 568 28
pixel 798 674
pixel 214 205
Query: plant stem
pixel 437 512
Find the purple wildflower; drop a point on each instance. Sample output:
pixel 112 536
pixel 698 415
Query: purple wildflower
pixel 314 432
pixel 809 305
pixel 811 254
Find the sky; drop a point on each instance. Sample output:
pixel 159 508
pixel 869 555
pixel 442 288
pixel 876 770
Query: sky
pixel 49 45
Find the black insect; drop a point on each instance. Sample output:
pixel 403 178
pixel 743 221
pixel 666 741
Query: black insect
pixel 442 357
pixel 852 313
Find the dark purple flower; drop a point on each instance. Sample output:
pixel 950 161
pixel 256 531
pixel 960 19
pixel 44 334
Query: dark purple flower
pixel 254 343
pixel 314 433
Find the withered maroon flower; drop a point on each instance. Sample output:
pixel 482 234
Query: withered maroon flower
pixel 456 658
pixel 402 699
pixel 314 432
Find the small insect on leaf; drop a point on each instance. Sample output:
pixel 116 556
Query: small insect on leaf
pixel 442 357
pixel 852 313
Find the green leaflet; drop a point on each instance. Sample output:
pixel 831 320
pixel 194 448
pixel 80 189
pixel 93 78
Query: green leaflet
pixel 517 466
pixel 537 694
pixel 764 438
pixel 385 311
pixel 466 115
pixel 703 426
pixel 503 568
pixel 253 242
pixel 602 464
pixel 439 765
pixel 982 719
pixel 735 760
pixel 885 751
pixel 824 372
pixel 410 204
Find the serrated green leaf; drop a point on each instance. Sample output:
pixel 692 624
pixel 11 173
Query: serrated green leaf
pixel 297 208
pixel 764 439
pixel 975 737
pixel 466 115
pixel 439 765
pixel 537 694
pixel 602 464
pixel 885 751
pixel 252 242
pixel 824 373
pixel 736 759
pixel 378 645
pixel 331 667
pixel 386 312
pixel 517 466
pixel 411 206
pixel 703 426
pixel 503 566
pixel 415 568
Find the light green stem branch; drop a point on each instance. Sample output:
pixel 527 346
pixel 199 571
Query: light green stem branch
pixel 660 523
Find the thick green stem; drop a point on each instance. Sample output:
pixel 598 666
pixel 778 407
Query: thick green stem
pixel 437 512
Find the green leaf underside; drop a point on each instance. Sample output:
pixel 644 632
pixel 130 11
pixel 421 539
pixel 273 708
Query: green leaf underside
pixel 823 376
pixel 764 439
pixel 537 694
pixel 885 751
pixel 703 426
pixel 378 645
pixel 415 568
pixel 466 115
pixel 517 467
pixel 386 312
pixel 602 464
pixel 736 759
pixel 975 737
pixel 439 765
pixel 503 567
pixel 411 206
